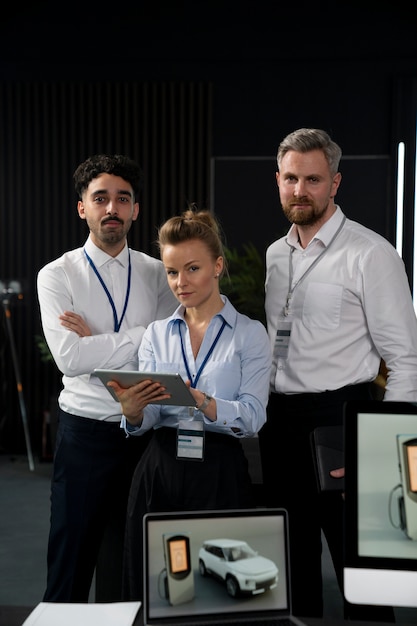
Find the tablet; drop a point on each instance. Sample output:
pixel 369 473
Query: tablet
pixel 174 383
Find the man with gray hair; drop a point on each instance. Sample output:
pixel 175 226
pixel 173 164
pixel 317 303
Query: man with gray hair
pixel 337 302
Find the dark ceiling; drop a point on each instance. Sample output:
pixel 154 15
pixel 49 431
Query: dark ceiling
pixel 87 39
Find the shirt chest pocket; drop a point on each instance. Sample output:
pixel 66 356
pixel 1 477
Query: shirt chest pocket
pixel 322 305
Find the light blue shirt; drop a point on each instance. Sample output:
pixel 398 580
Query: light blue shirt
pixel 236 374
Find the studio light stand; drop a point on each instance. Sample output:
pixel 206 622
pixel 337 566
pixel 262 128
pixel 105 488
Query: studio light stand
pixel 9 290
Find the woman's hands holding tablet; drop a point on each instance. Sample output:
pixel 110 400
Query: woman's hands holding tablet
pixel 134 399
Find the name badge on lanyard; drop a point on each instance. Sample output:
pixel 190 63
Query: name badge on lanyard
pixel 190 433
pixel 282 340
pixel 190 440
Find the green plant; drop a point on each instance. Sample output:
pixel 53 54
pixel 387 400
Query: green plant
pixel 244 286
pixel 46 356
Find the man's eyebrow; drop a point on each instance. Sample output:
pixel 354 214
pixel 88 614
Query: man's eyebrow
pixel 122 192
pixel 310 175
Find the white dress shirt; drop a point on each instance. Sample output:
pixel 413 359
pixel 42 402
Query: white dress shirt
pixel 69 283
pixel 349 310
pixel 236 373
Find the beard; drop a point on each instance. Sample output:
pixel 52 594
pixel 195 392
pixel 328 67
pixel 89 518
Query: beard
pixel 311 214
pixel 110 235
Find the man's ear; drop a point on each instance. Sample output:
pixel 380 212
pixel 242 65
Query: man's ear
pixel 136 210
pixel 335 184
pixel 80 209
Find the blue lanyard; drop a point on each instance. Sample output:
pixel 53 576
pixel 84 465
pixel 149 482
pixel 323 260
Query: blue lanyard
pixel 117 323
pixel 206 358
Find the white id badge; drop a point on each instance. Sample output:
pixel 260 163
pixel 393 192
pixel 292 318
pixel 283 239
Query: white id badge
pixel 282 339
pixel 190 440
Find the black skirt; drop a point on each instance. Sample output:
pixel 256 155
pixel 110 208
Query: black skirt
pixel 162 482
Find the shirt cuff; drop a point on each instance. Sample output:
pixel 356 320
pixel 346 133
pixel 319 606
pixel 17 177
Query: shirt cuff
pixel 128 428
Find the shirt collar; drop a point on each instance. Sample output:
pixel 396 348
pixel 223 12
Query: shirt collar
pixel 100 258
pixel 325 234
pixel 228 313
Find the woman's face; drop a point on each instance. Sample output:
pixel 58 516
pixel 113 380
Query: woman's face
pixel 193 274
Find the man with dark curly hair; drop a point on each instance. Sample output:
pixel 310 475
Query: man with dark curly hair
pixel 95 303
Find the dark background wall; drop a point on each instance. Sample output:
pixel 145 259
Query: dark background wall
pixel 234 78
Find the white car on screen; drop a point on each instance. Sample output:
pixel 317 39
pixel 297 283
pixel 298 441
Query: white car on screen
pixel 235 563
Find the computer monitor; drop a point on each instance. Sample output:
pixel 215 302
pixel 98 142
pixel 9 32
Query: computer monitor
pixel 381 503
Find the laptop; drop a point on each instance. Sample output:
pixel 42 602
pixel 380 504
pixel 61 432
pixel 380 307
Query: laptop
pixel 217 567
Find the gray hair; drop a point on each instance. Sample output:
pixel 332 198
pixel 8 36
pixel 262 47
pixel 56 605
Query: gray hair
pixel 307 139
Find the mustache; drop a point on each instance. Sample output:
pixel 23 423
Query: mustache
pixel 300 201
pixel 112 219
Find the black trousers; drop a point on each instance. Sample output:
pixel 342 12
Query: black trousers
pixel 163 483
pixel 289 482
pixel 93 465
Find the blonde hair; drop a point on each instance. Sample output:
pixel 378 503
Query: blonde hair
pixel 193 224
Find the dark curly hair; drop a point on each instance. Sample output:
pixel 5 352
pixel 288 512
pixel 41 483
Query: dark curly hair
pixel 116 164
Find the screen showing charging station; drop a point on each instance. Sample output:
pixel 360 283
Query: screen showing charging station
pixel 179 584
pixel 178 555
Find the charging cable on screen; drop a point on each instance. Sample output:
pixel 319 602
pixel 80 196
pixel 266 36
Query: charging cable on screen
pixel 401 523
pixel 163 584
